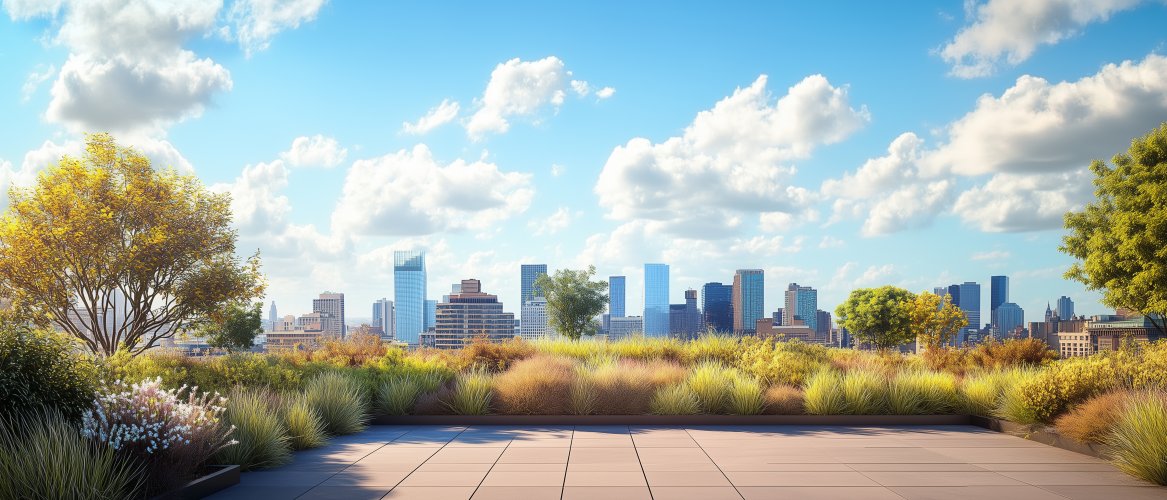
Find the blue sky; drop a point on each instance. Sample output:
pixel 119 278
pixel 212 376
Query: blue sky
pixel 838 145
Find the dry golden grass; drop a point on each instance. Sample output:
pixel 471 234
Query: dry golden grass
pixel 1093 420
pixel 784 400
pixel 539 385
pixel 626 387
pixel 494 356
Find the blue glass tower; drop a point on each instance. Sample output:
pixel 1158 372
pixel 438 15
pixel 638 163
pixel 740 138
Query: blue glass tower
pixel 616 296
pixel 748 300
pixel 656 300
pixel 802 302
pixel 527 288
pixel 998 294
pixel 717 306
pixel 409 294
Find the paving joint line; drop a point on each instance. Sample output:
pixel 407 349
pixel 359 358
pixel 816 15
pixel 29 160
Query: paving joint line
pixel 483 480
pixel 639 463
pixel 869 478
pixel 334 474
pixel 715 464
pixel 423 462
pixel 566 465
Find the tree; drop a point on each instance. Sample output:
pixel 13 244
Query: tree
pixel 118 254
pixel 1120 239
pixel 878 316
pixel 573 301
pixel 934 320
pixel 237 327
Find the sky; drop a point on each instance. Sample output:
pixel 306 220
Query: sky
pixel 834 144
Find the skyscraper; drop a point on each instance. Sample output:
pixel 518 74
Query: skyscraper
pixel 748 300
pixel 409 292
pixel 717 306
pixel 954 292
pixel 656 300
pixel 527 288
pixel 1065 308
pixel 431 312
pixel 616 296
pixel 802 303
pixel 823 327
pixel 998 294
pixel 685 319
pixel 1007 317
pixel 471 314
pixel 330 307
pixel 383 318
pixel 970 303
pixel 272 316
pixel 535 323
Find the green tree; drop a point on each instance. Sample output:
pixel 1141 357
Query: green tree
pixel 236 328
pixel 118 254
pixel 878 316
pixel 573 301
pixel 934 320
pixel 1120 240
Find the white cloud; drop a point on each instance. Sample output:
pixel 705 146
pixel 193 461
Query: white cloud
pixel 410 193
pixel 909 207
pixel 1012 30
pixel 160 152
pixel 12 177
pixel 256 22
pixel 39 76
pixel 258 204
pixel 315 151
pixel 732 158
pixel 522 88
pixel 1025 202
pixel 581 87
pixel 829 241
pixel 990 255
pixel 554 223
pixel 557 170
pixel 605 92
pixel 437 116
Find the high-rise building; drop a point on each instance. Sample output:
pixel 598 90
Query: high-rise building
pixel 1065 308
pixel 535 323
pixel 998 294
pixel 272 316
pixel 431 313
pixel 1008 317
pixel 954 292
pixel 383 318
pixel 409 292
pixel 656 300
pixel 717 306
pixel 802 303
pixel 616 296
pixel 748 300
pixel 527 289
pixel 685 319
pixel 330 307
pixel 624 326
pixel 823 324
pixel 970 303
pixel 940 291
pixel 471 314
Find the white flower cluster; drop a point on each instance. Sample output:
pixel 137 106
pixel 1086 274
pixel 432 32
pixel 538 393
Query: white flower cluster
pixel 146 418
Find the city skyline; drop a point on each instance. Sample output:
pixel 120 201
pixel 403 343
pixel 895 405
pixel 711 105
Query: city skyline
pixel 505 137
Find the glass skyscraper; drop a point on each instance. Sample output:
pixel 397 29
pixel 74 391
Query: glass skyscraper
pixel 656 300
pixel 998 294
pixel 802 302
pixel 409 293
pixel 616 296
pixel 1065 308
pixel 970 302
pixel 748 300
pixel 527 289
pixel 717 306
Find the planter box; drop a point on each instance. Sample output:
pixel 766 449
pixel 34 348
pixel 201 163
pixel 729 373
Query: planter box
pixel 1042 434
pixel 219 478
pixel 847 420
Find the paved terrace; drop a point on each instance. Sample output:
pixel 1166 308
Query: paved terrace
pixel 707 463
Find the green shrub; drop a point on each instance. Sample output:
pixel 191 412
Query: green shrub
pixel 824 393
pixel 472 393
pixel 43 455
pixel 42 370
pixel 676 399
pixel 262 440
pixel 339 401
pixel 1052 390
pixel 711 382
pixel 1139 439
pixel 745 396
pixel 920 392
pixel 305 428
pixel 397 396
pixel 865 392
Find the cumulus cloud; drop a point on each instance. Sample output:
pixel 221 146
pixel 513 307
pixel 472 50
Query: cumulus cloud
pixel 605 92
pixel 315 151
pixel 13 177
pixel 523 88
pixel 258 205
pixel 732 158
pixel 34 80
pixel 1012 30
pixel 256 22
pixel 160 152
pixel 1011 202
pixel 437 116
pixel 411 193
pixel 554 223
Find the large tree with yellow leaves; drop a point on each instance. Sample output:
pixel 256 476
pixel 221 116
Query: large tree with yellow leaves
pixel 120 254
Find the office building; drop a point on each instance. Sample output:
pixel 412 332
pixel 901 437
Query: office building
pixel 535 324
pixel 1007 320
pixel 685 319
pixel 291 332
pixel 383 318
pixel 272 317
pixel 528 274
pixel 469 315
pixel 409 292
pixel 616 296
pixel 970 303
pixel 717 306
pixel 624 326
pixel 656 300
pixel 802 303
pixel 431 312
pixel 998 294
pixel 823 324
pixel 748 300
pixel 330 308
pixel 1065 308
pixel 954 292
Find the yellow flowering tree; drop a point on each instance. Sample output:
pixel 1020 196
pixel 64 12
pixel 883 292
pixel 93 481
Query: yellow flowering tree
pixel 119 254
pixel 935 320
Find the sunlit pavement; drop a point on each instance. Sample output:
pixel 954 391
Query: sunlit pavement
pixel 707 463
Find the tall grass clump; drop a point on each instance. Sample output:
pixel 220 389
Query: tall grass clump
pixel 784 400
pixel 1052 390
pixel 1139 439
pixel 43 455
pixel 626 387
pixel 339 401
pixel 582 396
pixel 472 393
pixel 745 396
pixel 397 395
pixel 712 382
pixel 539 385
pixel 921 392
pixel 262 440
pixel 305 428
pixel 1092 421
pixel 824 393
pixel 676 399
pixel 865 392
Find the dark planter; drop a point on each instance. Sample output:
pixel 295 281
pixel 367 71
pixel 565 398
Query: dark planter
pixel 1042 434
pixel 218 478
pixel 848 420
